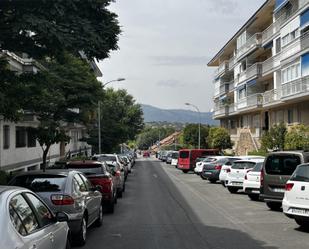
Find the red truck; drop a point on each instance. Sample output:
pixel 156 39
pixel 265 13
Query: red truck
pixel 187 157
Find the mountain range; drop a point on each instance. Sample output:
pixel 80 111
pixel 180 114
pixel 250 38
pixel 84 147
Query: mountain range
pixel 155 114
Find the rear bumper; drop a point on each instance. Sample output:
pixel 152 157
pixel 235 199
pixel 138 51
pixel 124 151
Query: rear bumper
pixel 270 198
pixel 211 174
pixel 288 210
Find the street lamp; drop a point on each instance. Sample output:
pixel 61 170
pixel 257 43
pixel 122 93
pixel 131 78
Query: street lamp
pixel 199 125
pixel 99 112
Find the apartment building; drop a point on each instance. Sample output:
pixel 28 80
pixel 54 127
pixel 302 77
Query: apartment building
pixel 19 150
pixel 262 73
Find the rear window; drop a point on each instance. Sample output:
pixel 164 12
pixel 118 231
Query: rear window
pixel 40 183
pixel 184 154
pixel 243 165
pixel 209 159
pixel 281 164
pixel 258 167
pixel 301 174
pixel 107 159
pixel 88 171
pixel 175 155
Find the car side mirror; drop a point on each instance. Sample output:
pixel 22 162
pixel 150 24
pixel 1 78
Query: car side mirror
pixel 98 188
pixel 62 217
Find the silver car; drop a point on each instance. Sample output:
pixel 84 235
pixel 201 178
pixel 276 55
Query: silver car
pixel 69 192
pixel 27 222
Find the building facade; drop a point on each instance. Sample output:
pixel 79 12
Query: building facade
pixel 19 150
pixel 262 74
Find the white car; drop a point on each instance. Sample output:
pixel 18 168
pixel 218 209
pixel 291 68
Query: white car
pixel 175 156
pixel 200 165
pixel 295 203
pixel 226 169
pixel 239 169
pixel 252 182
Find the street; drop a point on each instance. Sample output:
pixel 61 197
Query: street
pixel 164 208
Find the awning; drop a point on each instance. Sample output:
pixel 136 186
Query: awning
pixel 280 4
pixel 251 82
pixel 304 19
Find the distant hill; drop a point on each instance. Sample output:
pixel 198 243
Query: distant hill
pixel 154 114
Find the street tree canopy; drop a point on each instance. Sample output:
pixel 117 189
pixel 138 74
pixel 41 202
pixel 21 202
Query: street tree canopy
pixel 191 134
pixel 49 27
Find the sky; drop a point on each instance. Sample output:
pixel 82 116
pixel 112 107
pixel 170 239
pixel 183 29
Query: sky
pixel 165 46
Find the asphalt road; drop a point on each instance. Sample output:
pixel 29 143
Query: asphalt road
pixel 163 208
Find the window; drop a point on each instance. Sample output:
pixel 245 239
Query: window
pixel 44 215
pixel 301 174
pixel 243 165
pixel 290 116
pixel 281 164
pixel 290 73
pixel 80 184
pixel 278 45
pixel 242 93
pixel 27 222
pixel 285 40
pixel 290 37
pixel 87 183
pixel 31 140
pixel 20 137
pixel 184 154
pixel 6 137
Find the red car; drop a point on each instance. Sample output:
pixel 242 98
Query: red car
pixel 146 154
pixel 98 175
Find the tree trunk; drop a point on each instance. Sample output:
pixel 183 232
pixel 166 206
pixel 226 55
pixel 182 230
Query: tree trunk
pixel 45 153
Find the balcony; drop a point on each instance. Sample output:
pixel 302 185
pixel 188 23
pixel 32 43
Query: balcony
pixel 220 112
pixel 231 62
pixel 270 64
pixel 253 71
pixel 252 43
pixel 252 101
pixel 296 88
pixel 223 68
pixel 270 97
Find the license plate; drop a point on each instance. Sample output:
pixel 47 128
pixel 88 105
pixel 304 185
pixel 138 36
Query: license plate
pixel 237 183
pixel 278 190
pixel 207 173
pixel 255 191
pixel 299 211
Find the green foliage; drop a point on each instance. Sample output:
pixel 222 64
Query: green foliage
pixel 219 138
pixel 49 27
pixel 297 138
pixel 121 120
pixel 191 133
pixel 274 139
pixel 151 135
pixel 4 177
pixel 260 152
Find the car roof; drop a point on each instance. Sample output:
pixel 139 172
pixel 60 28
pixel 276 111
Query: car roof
pixel 304 152
pixel 4 188
pixel 63 172
pixel 88 162
pixel 255 160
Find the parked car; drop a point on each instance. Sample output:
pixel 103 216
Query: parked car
pixel 187 157
pixel 226 169
pixel 235 179
pixel 164 155
pixel 127 162
pixel 27 222
pixel 212 168
pixel 252 182
pixel 97 174
pixel 67 191
pixel 278 168
pixel 174 161
pixel 169 157
pixel 200 163
pixel 146 154
pixel 116 168
pixel 296 202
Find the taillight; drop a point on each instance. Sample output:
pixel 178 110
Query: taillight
pixel 228 170
pixel 262 178
pixel 289 186
pixel 62 200
pixel 218 167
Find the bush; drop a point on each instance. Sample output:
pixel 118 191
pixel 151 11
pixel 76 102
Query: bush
pixel 274 139
pixel 258 153
pixel 219 138
pixel 297 138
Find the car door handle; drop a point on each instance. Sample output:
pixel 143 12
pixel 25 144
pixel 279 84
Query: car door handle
pixel 51 237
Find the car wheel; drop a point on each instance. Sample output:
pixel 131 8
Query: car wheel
pixel 212 181
pixel 253 197
pixel 232 190
pixel 302 223
pixel 99 221
pixel 82 234
pixel 223 184
pixel 185 171
pixel 275 206
pixel 203 177
pixel 119 193
pixel 115 199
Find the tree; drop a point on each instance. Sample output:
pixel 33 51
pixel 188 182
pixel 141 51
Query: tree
pixel 274 139
pixel 297 138
pixel 191 134
pixel 219 138
pixel 121 120
pixel 50 27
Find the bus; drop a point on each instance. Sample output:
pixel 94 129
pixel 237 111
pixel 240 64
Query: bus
pixel 187 157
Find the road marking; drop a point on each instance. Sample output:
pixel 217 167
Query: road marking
pixel 118 235
pixel 155 175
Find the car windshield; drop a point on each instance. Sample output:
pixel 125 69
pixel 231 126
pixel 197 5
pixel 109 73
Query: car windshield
pixel 243 165
pixel 107 159
pixel 281 164
pixel 41 183
pixel 301 174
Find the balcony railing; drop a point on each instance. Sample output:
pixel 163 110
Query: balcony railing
pixel 231 63
pixel 296 87
pixel 219 111
pixel 255 100
pixel 221 69
pixel 227 87
pixel 251 44
pixel 270 64
pixel 271 96
pixel 253 71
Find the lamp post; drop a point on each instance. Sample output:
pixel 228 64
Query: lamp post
pixel 199 125
pixel 99 113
